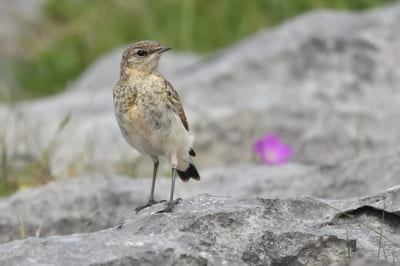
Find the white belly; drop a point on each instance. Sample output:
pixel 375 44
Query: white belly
pixel 157 134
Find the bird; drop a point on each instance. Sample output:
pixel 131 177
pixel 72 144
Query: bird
pixel 151 117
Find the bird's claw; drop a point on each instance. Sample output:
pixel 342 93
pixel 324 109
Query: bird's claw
pixel 148 204
pixel 170 205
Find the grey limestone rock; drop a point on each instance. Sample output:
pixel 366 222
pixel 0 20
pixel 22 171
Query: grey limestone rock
pixel 87 204
pixel 214 230
pixel 364 262
pixel 326 82
pixel 358 177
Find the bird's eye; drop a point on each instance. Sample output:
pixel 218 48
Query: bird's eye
pixel 141 53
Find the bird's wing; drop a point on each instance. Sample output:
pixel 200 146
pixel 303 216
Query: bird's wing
pixel 173 97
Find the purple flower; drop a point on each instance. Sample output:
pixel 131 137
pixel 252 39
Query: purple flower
pixel 272 151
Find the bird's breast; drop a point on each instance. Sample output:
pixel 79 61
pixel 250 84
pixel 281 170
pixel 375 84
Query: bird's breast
pixel 147 123
pixel 151 124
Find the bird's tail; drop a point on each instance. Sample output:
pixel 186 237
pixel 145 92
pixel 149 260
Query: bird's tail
pixel 191 172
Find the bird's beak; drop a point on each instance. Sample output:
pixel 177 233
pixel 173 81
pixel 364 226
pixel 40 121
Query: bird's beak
pixel 163 49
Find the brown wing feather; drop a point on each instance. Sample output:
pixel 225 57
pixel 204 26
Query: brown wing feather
pixel 173 97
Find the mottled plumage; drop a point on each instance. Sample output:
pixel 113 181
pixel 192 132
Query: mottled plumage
pixel 150 114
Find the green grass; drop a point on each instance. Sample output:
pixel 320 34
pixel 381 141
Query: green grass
pixel 75 32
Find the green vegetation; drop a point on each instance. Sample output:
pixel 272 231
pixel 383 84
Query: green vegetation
pixel 75 32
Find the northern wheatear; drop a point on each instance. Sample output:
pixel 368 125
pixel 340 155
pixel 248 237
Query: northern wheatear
pixel 150 115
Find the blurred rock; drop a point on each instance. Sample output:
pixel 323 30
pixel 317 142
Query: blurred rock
pixel 359 177
pixel 211 230
pixel 68 206
pixel 325 82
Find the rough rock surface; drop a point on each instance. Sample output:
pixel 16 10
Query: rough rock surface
pixel 211 230
pixel 89 204
pixel 364 262
pixel 325 81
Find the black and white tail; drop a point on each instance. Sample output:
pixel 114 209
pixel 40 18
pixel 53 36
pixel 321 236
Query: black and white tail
pixel 191 172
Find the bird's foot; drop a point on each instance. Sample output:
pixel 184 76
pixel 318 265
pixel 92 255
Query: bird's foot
pixel 148 204
pixel 170 205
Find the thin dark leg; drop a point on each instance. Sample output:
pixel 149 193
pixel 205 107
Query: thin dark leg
pixel 153 184
pixel 171 195
pixel 171 203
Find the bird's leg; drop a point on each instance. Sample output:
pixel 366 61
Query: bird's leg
pixel 171 203
pixel 153 184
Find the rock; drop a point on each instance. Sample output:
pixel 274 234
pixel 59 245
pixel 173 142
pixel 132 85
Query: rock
pixel 213 230
pixel 320 88
pixel 355 178
pixel 364 262
pixel 88 204
pixel 68 206
pixel 313 84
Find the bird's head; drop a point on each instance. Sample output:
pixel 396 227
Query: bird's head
pixel 142 57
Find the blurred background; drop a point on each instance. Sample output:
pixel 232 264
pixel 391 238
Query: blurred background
pixel 57 39
pixel 59 61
